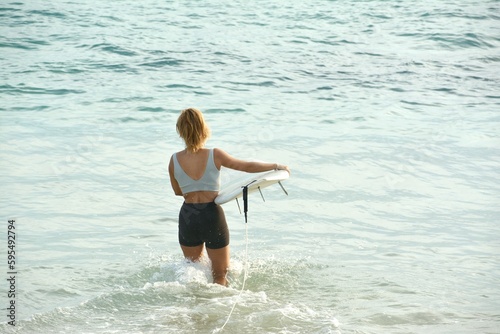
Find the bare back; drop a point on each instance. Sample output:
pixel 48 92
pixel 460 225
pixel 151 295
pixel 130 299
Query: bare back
pixel 194 165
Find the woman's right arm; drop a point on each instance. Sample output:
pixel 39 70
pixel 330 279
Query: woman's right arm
pixel 222 158
pixel 175 185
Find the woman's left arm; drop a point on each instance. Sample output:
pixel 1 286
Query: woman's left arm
pixel 228 161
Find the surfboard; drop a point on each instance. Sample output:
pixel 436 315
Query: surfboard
pixel 233 183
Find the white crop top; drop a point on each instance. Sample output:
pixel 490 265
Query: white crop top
pixel 210 181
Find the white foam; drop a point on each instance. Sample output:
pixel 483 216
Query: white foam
pixel 170 285
pixel 194 273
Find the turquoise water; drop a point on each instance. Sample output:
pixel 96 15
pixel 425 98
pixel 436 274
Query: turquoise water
pixel 387 113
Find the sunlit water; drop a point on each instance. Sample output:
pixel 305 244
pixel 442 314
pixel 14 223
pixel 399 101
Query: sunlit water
pixel 387 113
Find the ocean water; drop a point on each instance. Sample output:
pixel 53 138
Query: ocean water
pixel 387 112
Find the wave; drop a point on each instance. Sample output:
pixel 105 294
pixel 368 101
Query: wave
pixel 222 110
pixel 453 41
pixel 48 13
pixel 23 44
pixel 176 296
pixel 468 40
pixel 166 61
pixel 111 48
pixel 21 89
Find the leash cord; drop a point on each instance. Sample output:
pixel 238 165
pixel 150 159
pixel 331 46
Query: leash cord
pixel 245 274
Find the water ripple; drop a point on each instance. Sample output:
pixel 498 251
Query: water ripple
pixel 21 89
pixel 166 61
pixel 112 49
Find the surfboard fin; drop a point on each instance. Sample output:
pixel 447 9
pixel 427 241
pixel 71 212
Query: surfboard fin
pixel 237 202
pixel 261 194
pixel 282 188
pixel 245 197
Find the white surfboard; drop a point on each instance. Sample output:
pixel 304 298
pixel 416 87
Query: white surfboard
pixel 232 183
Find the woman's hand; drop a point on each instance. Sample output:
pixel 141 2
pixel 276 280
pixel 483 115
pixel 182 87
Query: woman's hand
pixel 282 167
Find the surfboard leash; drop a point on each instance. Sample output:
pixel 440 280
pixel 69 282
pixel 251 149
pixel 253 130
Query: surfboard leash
pixel 245 275
pixel 245 272
pixel 245 202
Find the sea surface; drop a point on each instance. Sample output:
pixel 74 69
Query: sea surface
pixel 387 112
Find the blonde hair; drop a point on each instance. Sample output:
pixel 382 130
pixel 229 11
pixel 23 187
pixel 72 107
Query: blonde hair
pixel 192 128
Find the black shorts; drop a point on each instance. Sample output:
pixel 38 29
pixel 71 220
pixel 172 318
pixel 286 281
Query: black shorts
pixel 203 223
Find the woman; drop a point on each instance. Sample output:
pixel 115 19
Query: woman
pixel 195 175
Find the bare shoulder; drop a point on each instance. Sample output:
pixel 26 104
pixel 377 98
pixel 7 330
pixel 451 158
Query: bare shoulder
pixel 171 160
pixel 222 156
pixel 179 153
pixel 219 157
pixel 218 152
